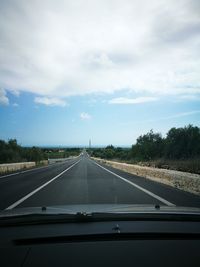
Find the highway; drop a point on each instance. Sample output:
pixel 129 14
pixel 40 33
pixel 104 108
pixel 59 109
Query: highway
pixel 84 181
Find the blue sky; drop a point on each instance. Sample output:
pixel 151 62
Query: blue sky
pixel 104 70
pixel 92 117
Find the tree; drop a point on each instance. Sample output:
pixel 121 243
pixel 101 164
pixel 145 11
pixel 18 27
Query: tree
pixel 148 146
pixel 12 143
pixel 110 147
pixel 34 154
pixel 183 143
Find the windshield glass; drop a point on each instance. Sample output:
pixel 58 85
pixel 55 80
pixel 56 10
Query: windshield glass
pixel 99 105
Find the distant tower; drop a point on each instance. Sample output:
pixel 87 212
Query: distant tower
pixel 89 143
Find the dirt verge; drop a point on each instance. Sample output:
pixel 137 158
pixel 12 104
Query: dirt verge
pixel 183 180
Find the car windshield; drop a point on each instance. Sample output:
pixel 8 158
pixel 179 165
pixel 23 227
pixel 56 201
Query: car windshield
pixel 99 106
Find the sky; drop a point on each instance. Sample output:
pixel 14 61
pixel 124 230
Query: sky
pixel 106 70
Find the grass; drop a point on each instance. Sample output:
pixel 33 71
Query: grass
pixel 187 165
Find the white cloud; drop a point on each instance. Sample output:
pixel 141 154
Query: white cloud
pixel 138 100
pixel 15 105
pixel 50 101
pixel 14 92
pixel 182 114
pixel 64 49
pixel 85 116
pixel 190 97
pixel 178 115
pixel 4 101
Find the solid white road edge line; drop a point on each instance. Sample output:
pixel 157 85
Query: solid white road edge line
pixel 139 187
pixel 20 172
pixel 39 188
pixel 34 169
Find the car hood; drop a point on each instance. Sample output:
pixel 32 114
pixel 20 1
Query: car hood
pixel 100 208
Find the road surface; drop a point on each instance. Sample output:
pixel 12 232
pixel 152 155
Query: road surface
pixel 84 181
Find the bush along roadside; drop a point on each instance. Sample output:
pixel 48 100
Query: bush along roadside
pixel 179 150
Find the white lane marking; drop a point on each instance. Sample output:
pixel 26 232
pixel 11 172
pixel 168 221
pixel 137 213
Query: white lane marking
pixel 35 169
pixel 39 188
pixel 11 174
pixel 20 172
pixel 139 187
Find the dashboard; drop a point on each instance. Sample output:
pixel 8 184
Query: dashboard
pixel 106 243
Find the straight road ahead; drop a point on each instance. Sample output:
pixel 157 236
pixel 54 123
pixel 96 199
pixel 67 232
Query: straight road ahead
pixel 84 181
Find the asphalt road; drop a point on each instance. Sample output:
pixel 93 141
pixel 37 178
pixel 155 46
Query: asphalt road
pixel 83 181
